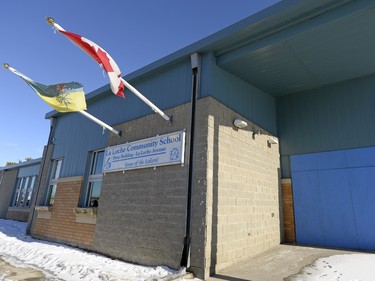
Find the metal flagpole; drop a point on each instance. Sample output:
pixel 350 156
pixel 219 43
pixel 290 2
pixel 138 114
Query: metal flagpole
pixel 144 99
pixel 84 113
pixel 127 85
pixel 101 123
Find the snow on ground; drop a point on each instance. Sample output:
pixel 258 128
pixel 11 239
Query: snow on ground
pixel 349 267
pixel 61 262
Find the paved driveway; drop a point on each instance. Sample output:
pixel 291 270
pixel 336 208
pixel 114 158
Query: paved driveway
pixel 276 264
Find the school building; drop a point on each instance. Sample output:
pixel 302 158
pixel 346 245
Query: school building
pixel 272 140
pixel 17 186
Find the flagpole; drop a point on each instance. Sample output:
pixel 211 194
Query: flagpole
pixel 144 99
pixel 101 123
pixel 84 113
pixel 126 84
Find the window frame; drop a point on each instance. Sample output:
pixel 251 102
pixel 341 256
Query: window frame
pixel 23 192
pixel 54 178
pixel 92 177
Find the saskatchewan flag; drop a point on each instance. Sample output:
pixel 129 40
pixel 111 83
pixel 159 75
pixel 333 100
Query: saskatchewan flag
pixel 64 97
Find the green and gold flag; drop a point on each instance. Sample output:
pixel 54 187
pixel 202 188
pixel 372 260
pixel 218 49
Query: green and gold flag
pixel 64 97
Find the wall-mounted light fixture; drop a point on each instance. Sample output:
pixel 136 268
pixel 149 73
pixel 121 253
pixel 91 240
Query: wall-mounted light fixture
pixel 256 132
pixel 239 123
pixel 272 140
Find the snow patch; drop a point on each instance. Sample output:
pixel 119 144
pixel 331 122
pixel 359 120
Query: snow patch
pixel 61 262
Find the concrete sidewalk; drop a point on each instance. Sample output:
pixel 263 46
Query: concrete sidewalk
pixel 13 273
pixel 276 264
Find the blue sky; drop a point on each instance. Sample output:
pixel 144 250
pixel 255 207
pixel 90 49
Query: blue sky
pixel 134 33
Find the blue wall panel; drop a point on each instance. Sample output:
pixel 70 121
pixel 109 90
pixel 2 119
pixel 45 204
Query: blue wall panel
pixel 336 210
pixel 74 137
pixel 334 195
pixel 240 96
pixel 307 206
pixel 336 117
pixel 29 171
pixel 362 181
pixel 166 89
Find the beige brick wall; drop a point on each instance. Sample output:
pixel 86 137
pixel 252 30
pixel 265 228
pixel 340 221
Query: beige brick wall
pixel 288 211
pixel 62 225
pixel 238 194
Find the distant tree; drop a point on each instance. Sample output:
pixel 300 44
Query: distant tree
pixel 19 161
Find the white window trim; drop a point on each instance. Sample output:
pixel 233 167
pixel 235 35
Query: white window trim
pixel 24 187
pixel 92 178
pixel 54 178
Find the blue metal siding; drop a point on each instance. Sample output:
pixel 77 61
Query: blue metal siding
pixel 166 89
pixel 333 195
pixel 29 171
pixel 75 135
pixel 240 96
pixel 336 117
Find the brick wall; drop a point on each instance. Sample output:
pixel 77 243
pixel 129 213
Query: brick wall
pixel 236 203
pixel 288 211
pixel 18 214
pixel 61 225
pixel 6 190
pixel 142 212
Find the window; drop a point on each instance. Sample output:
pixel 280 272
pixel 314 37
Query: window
pixel 29 191
pixel 24 191
pixel 95 179
pixel 56 169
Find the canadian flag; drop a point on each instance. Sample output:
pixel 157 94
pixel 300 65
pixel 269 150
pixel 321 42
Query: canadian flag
pixel 101 57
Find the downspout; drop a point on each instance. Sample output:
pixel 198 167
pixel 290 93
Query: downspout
pixel 44 159
pixel 195 66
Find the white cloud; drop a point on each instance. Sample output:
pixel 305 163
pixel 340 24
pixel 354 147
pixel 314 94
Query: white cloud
pixel 11 144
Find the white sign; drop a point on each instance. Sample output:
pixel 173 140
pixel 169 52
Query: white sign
pixel 162 150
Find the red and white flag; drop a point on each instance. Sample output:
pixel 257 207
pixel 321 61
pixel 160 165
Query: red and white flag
pixel 100 56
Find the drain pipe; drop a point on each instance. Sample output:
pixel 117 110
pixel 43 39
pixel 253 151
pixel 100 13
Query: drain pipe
pixel 195 66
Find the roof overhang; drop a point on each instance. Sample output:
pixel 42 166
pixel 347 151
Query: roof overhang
pixel 327 43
